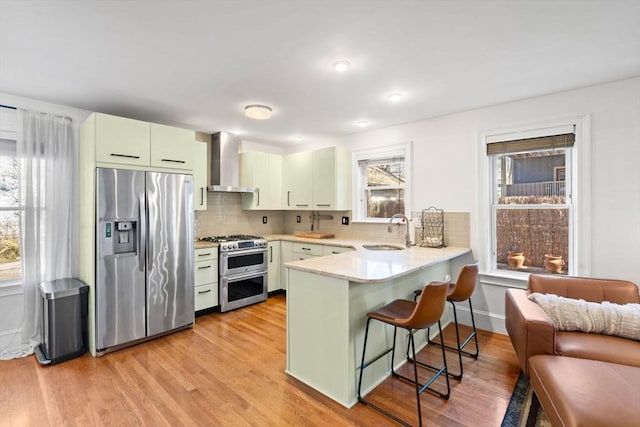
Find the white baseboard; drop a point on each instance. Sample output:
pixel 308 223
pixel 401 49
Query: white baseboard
pixel 484 320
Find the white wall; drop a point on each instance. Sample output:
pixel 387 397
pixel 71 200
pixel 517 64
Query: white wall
pixel 448 152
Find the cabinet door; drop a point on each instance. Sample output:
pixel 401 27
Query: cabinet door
pixel 273 266
pixel 254 172
pixel 274 199
pixel 122 140
pixel 324 178
pixel 286 255
pixel 171 147
pixel 299 166
pixel 200 176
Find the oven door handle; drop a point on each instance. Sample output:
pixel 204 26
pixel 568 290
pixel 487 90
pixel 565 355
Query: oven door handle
pixel 244 252
pixel 236 277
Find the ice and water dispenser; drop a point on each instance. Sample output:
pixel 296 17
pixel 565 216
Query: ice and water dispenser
pixel 120 237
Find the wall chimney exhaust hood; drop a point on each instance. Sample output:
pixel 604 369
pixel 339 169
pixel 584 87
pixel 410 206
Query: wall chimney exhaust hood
pixel 225 164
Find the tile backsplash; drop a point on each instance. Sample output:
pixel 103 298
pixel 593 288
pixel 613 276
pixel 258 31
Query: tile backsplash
pixel 224 215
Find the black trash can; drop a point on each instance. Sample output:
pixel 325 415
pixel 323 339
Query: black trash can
pixel 64 320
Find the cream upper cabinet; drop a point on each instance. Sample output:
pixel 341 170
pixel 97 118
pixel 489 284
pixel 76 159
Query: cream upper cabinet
pixel 200 176
pixel 171 147
pixel 317 180
pixel 121 140
pixel 263 171
pixel 331 179
pixel 298 181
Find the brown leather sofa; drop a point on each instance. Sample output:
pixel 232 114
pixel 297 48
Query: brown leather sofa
pixel 532 332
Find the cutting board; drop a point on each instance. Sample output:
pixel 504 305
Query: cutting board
pixel 312 235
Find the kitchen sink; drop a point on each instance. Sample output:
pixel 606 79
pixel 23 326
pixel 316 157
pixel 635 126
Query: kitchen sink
pixel 378 247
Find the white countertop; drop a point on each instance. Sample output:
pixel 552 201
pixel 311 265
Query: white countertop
pixel 369 266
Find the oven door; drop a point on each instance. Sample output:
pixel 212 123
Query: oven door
pixel 238 291
pixel 242 262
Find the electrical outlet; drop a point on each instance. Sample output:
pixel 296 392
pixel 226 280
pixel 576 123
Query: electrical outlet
pixel 264 219
pixel 298 219
pixel 345 220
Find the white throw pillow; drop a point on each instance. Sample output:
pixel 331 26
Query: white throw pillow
pixel 607 318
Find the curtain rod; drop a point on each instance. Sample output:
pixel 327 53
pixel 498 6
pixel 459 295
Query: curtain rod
pixel 14 108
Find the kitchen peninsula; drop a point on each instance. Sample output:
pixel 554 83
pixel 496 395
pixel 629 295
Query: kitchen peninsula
pixel 327 301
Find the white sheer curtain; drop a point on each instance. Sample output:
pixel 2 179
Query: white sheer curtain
pixel 45 154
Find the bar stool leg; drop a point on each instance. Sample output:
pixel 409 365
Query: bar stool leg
pixel 460 347
pixel 418 387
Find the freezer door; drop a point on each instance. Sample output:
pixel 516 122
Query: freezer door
pixel 120 268
pixel 170 296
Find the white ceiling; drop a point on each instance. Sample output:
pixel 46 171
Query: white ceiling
pixel 198 63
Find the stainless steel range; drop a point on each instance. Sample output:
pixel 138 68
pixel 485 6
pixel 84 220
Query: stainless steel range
pixel 242 270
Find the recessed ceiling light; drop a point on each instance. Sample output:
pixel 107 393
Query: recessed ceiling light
pixel 341 66
pixel 362 123
pixel 297 137
pixel 395 96
pixel 258 112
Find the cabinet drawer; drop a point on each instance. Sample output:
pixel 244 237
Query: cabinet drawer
pixel 206 272
pixel 206 254
pixel 298 256
pixel 206 296
pixel 332 250
pixel 307 248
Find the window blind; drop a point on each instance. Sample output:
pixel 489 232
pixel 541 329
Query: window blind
pixel 551 142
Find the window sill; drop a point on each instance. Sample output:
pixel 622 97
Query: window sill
pixel 10 288
pixel 505 278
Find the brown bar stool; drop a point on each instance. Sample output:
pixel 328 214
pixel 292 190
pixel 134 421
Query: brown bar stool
pixel 410 315
pixel 458 292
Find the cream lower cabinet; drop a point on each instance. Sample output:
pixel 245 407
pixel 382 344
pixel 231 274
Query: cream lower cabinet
pixel 332 250
pixel 274 266
pixel 200 176
pixel 206 278
pixel 286 255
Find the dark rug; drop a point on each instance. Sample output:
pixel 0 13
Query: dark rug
pixel 519 406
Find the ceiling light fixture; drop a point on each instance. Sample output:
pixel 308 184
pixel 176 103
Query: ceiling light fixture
pixel 297 137
pixel 258 112
pixel 341 66
pixel 362 123
pixel 395 96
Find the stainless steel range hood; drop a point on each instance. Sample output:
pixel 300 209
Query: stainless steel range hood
pixel 225 164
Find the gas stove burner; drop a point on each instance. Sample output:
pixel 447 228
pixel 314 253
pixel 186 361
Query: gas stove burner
pixel 237 242
pixel 231 238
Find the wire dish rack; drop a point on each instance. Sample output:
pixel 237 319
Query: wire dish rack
pixel 432 228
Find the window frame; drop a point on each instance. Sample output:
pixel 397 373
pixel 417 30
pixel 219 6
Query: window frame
pixel 8 131
pixel 577 186
pixel 400 150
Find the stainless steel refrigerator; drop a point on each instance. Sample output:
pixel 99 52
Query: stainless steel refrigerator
pixel 144 255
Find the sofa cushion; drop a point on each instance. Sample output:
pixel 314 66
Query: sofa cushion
pixel 606 348
pixel 574 392
pixel 570 314
pixel 586 288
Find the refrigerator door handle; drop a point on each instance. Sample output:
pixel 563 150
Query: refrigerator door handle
pixel 142 236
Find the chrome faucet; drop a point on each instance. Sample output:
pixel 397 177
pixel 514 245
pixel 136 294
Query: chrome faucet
pixel 406 220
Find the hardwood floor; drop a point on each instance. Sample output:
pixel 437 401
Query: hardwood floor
pixel 229 371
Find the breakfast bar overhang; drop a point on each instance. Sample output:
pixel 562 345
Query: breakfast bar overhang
pixel 327 302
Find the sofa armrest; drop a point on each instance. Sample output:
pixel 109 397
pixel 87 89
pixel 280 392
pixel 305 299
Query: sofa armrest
pixel 530 329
